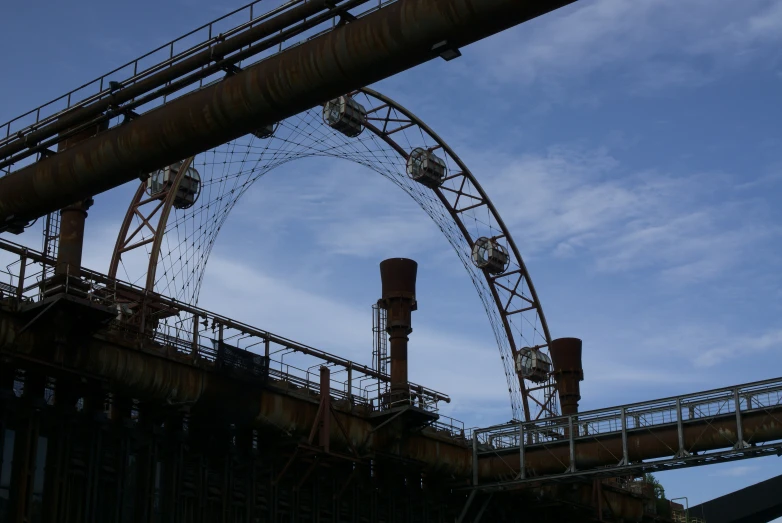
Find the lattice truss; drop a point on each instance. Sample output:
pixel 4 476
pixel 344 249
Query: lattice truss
pixel 459 207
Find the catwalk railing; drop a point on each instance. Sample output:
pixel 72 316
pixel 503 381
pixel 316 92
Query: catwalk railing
pixel 201 336
pixel 681 431
pixel 197 58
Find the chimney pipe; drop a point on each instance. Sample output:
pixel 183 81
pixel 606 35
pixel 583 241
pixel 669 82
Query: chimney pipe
pixel 74 216
pixel 568 371
pixel 398 278
pixel 71 246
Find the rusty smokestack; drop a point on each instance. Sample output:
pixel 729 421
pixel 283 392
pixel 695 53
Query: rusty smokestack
pixel 74 216
pixel 71 246
pixel 398 278
pixel 568 371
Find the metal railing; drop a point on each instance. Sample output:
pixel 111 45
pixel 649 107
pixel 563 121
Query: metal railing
pixel 450 426
pixel 682 517
pixel 108 89
pixel 199 335
pixel 700 410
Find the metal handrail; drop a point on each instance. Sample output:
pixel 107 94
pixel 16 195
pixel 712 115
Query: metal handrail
pixel 171 85
pixel 101 80
pixel 105 290
pixel 657 405
pixel 728 408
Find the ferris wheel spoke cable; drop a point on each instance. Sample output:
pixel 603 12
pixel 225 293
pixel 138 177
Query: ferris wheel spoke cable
pixel 386 146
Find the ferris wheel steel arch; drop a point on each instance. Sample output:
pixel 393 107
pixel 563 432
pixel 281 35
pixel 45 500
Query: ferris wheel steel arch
pixel 470 189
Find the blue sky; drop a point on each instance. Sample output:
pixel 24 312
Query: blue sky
pixel 634 149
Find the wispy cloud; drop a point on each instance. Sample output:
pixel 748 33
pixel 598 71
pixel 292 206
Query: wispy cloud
pixel 347 210
pixel 738 348
pixel 571 201
pixel 736 471
pixel 652 44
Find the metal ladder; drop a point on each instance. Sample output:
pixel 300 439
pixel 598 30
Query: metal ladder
pixel 51 241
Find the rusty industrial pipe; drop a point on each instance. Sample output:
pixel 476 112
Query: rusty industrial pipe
pixel 568 372
pixel 381 44
pixel 398 276
pixel 74 215
pixel 245 41
pixel 71 244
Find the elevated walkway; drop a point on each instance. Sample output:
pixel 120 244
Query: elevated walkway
pixel 716 426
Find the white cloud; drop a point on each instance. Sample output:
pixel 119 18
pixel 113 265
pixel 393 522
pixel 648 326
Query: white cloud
pixel 347 210
pixel 575 202
pixel 650 44
pixel 737 348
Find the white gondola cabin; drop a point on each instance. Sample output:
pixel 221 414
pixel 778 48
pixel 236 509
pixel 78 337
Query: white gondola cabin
pixel 533 365
pixel 189 187
pixel 489 255
pixel 267 131
pixel 426 168
pixel 345 115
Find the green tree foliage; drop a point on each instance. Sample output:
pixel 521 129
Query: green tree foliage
pixel 661 504
pixel 659 491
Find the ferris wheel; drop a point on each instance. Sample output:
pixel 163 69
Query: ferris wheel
pixel 176 214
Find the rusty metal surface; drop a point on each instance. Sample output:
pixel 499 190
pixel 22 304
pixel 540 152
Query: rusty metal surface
pixel 568 372
pixel 384 43
pixel 398 277
pixel 643 445
pixel 69 250
pixel 154 375
pixel 79 116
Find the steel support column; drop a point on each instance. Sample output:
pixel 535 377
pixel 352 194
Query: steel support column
pixel 25 450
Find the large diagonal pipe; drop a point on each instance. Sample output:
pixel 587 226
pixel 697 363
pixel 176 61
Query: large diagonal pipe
pixel 390 40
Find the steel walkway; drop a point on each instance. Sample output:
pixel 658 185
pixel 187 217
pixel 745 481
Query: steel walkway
pixel 714 426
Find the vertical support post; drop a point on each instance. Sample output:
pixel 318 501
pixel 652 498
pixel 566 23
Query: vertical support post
pixel 682 452
pixel 572 438
pixel 740 444
pixel 475 459
pixel 25 451
pixel 22 270
pixel 266 344
pixel 598 487
pixel 522 465
pixel 144 312
pixel 194 348
pixel 625 453
pixel 325 410
pixel 350 383
pixel 220 331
